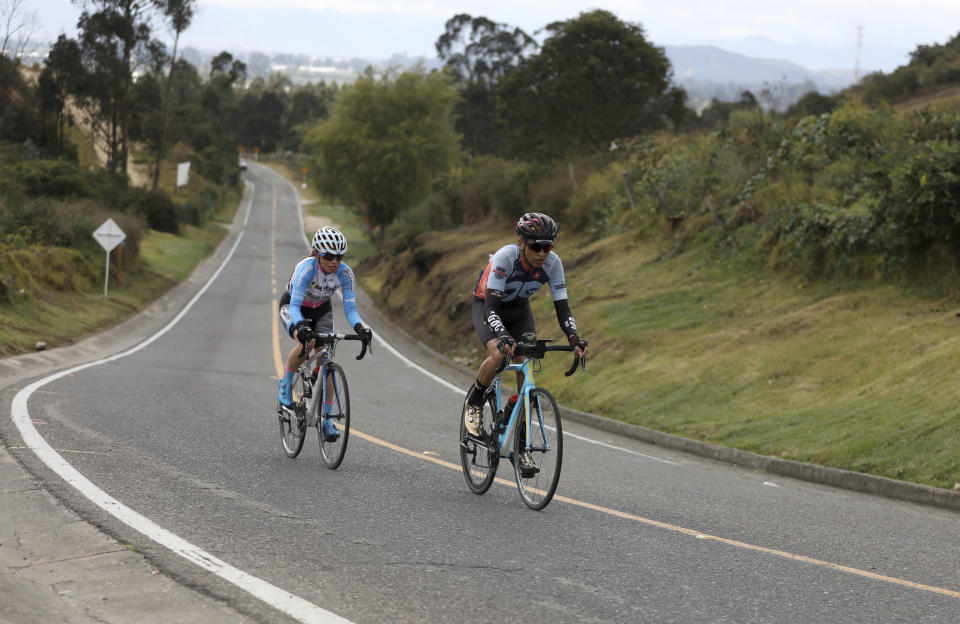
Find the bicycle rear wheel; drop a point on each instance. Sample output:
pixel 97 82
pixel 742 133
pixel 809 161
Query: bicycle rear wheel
pixel 333 450
pixel 546 450
pixel 293 423
pixel 479 456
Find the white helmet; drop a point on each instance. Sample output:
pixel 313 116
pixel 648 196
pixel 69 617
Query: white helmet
pixel 329 240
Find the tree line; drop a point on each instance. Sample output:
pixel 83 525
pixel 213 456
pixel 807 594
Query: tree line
pixel 510 123
pixel 126 87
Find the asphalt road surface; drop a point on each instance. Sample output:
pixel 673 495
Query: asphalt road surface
pixel 183 432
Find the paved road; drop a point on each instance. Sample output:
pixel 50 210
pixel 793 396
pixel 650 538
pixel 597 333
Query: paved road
pixel 182 431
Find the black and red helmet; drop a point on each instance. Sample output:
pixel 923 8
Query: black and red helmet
pixel 537 226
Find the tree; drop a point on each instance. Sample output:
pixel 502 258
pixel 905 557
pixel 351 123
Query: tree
pixel 115 42
pixel 16 27
pixel 387 141
pixel 479 53
pixel 62 76
pixel 178 14
pixel 263 113
pixel 595 79
pixel 220 99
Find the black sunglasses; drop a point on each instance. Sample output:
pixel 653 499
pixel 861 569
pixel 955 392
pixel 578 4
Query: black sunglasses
pixel 330 256
pixel 538 247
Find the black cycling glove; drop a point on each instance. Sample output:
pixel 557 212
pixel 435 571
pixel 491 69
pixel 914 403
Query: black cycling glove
pixel 303 330
pixel 363 332
pixel 504 341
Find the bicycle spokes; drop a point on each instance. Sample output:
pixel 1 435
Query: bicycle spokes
pixel 543 441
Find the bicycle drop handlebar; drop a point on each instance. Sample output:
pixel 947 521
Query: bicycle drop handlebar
pixel 537 350
pixel 329 339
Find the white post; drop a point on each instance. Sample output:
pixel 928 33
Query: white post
pixel 106 275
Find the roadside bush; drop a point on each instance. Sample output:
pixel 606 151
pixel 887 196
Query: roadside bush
pixel 923 202
pixel 551 192
pixel 494 186
pixel 819 239
pixel 598 202
pixel 157 209
pixel 49 222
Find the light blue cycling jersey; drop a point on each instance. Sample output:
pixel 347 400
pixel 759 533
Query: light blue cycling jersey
pixel 508 273
pixel 309 286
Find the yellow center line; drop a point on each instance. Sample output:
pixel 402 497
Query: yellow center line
pixel 606 510
pixel 278 362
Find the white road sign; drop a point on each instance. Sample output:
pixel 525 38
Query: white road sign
pixel 183 174
pixel 109 235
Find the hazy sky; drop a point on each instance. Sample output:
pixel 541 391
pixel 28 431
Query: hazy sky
pixel 819 34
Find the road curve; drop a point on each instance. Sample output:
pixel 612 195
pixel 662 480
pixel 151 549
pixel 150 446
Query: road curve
pixel 182 433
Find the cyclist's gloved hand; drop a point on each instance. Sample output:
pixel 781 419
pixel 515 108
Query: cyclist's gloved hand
pixel 363 332
pixel 579 345
pixel 303 330
pixel 505 344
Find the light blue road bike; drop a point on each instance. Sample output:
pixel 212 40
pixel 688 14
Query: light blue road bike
pixel 533 423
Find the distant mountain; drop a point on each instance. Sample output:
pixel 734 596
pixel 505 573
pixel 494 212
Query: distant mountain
pixel 874 56
pixel 708 72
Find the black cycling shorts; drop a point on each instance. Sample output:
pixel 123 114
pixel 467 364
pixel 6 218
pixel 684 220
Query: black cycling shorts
pixel 517 319
pixel 321 319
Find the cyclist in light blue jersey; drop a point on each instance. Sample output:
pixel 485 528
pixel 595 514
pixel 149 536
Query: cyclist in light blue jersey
pixel 305 307
pixel 501 307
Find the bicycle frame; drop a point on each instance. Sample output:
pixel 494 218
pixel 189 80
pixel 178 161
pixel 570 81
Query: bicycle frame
pixel 523 403
pixel 317 363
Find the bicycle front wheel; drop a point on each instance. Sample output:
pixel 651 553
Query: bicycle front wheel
pixel 479 456
pixel 293 423
pixel 537 481
pixel 333 448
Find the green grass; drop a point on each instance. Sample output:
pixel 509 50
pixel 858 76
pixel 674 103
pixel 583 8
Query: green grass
pixel 70 314
pixel 851 374
pixel 174 257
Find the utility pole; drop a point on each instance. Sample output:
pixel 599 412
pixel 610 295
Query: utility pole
pixel 856 67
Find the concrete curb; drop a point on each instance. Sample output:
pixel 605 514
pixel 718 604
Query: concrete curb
pixel 845 479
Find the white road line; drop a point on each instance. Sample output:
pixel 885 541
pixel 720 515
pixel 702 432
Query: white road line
pixel 280 599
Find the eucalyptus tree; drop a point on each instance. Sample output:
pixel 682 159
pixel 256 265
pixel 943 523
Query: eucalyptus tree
pixel 61 77
pixel 178 15
pixel 479 53
pixel 115 40
pixel 220 99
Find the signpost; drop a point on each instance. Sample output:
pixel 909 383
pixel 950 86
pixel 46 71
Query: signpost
pixel 109 235
pixel 183 174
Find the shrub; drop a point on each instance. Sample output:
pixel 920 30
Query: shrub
pixel 156 208
pixel 494 186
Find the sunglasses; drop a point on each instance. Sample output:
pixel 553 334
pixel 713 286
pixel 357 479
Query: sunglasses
pixel 330 256
pixel 538 247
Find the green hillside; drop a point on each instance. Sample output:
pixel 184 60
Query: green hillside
pixel 853 374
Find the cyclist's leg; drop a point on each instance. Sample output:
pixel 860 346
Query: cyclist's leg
pixel 324 324
pixel 293 360
pixel 284 387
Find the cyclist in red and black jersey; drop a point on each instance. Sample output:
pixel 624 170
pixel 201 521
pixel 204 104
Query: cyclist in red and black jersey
pixel 501 309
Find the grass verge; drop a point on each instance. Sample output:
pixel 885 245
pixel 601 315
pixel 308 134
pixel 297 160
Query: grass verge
pixel 850 374
pixel 63 317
